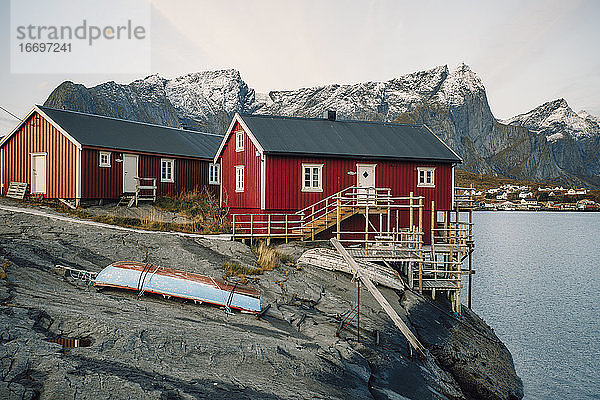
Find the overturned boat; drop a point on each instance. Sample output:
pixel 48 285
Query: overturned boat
pixel 143 277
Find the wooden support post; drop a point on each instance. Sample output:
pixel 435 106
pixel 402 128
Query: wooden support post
pixel 312 223
pixel 286 228
pixel 410 209
pixel 251 228
pixel 410 270
pixel 421 215
pixel 389 212
pixel 420 253
pixel 338 217
pixel 268 229
pixel 470 250
pixel 366 227
pixel 233 228
pixel 446 225
pixel 400 324
pixel 358 309
pixel 432 228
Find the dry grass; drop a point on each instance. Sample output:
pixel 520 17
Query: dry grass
pixel 201 208
pixel 152 220
pixel 236 269
pixel 269 258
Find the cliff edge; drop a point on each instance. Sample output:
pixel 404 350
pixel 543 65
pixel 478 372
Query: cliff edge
pixel 157 348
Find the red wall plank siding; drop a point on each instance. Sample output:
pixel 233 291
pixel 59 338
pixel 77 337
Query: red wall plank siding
pixel 107 182
pixel 284 181
pixel 101 182
pixel 284 186
pixel 250 198
pixel 37 135
pixel 190 175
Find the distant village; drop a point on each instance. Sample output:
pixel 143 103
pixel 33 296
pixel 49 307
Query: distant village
pixel 518 198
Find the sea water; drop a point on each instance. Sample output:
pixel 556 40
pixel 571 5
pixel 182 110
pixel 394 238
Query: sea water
pixel 537 284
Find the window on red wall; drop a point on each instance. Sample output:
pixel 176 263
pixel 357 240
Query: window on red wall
pixel 105 159
pixel 239 178
pixel 426 176
pixel 239 141
pixel 167 169
pixel 214 174
pixel 312 177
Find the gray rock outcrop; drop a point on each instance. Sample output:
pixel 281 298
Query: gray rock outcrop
pixel 155 348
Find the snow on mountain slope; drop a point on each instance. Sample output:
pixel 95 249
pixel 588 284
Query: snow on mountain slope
pixel 556 120
pixel 460 83
pixel 551 141
pixel 369 100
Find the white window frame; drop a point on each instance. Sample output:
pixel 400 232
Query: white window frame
pixel 163 162
pixel 105 164
pixel 426 171
pixel 311 187
pixel 239 183
pixel 239 141
pixel 214 174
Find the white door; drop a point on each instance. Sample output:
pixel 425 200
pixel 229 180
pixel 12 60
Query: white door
pixel 365 181
pixel 130 172
pixel 38 173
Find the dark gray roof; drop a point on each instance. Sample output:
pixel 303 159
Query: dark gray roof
pixel 368 140
pixel 119 134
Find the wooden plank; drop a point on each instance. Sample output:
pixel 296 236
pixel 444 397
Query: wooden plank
pixel 68 204
pixel 412 339
pixel 331 260
pixel 16 190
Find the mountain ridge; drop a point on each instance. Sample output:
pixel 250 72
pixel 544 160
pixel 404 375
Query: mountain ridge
pixel 550 142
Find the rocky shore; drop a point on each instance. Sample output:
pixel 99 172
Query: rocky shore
pixel 155 348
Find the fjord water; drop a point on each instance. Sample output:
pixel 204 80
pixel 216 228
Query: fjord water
pixel 538 286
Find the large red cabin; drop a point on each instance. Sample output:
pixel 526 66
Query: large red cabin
pixel 72 155
pixel 283 165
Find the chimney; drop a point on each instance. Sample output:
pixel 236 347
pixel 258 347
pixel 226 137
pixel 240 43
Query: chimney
pixel 330 115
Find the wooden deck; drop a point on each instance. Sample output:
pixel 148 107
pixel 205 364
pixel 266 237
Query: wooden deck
pixel 431 268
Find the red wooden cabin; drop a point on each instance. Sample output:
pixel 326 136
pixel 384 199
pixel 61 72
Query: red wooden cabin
pixel 72 155
pixel 284 165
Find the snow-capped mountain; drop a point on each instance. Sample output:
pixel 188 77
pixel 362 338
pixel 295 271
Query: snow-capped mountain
pixel 556 120
pixel 549 142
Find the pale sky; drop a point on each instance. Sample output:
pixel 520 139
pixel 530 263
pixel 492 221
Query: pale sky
pixel 525 52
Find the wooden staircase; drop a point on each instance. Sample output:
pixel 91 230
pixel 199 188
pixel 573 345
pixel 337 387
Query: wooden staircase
pixel 310 221
pixel 308 230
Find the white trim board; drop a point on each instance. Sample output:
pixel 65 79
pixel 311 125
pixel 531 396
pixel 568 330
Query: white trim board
pixel 1 170
pixel 32 178
pixel 78 177
pixel 263 181
pixel 238 118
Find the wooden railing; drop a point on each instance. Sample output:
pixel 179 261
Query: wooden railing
pixel 320 215
pixel 261 226
pixel 145 189
pixel 463 198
